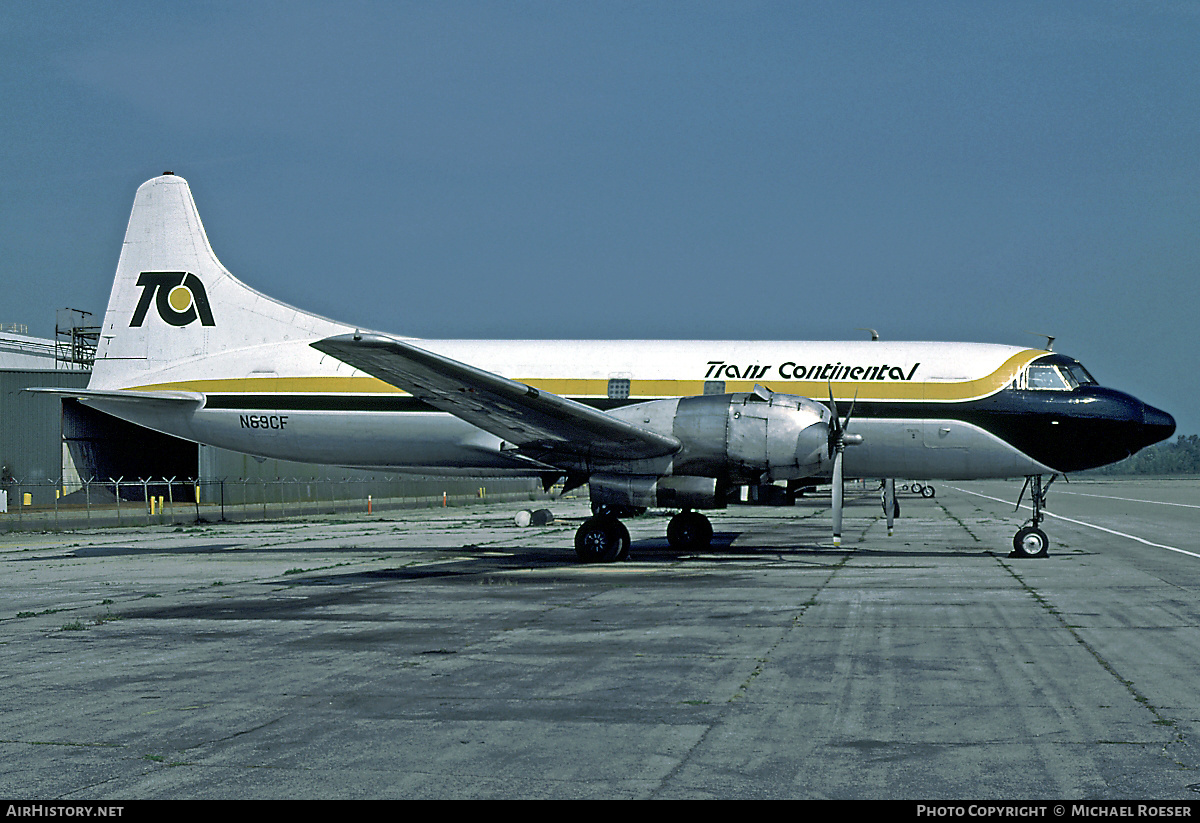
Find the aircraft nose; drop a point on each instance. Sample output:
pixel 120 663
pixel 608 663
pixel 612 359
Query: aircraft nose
pixel 1157 425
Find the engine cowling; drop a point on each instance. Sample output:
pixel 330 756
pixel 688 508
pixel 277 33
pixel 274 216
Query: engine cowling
pixel 740 438
pixel 781 437
pixel 647 491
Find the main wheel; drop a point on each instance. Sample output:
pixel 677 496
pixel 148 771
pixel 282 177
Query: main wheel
pixel 602 540
pixel 1030 542
pixel 689 530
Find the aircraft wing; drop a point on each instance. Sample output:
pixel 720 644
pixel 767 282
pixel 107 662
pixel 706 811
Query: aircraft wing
pixel 536 422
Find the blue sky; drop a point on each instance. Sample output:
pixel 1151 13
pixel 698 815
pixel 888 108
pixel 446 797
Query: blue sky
pixel 934 170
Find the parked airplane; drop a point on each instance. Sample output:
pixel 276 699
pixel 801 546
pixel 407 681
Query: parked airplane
pixel 189 350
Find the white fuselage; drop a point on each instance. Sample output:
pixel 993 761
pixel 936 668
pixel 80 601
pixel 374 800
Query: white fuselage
pixel 288 401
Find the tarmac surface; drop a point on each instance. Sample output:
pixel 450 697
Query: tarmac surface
pixel 449 653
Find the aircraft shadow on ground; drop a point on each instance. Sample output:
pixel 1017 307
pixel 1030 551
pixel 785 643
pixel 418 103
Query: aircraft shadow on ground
pixel 473 566
pixel 724 546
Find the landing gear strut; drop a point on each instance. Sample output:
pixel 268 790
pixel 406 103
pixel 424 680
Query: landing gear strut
pixel 1030 540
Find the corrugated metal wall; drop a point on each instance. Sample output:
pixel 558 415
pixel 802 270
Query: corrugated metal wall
pixel 248 480
pixel 30 424
pixel 32 427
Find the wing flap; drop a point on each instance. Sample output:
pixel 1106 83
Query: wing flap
pixel 534 421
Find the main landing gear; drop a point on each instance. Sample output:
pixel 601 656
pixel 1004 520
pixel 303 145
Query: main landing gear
pixel 603 538
pixel 689 530
pixel 1030 540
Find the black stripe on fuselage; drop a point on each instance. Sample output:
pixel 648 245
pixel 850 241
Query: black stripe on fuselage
pixel 357 402
pixel 1066 430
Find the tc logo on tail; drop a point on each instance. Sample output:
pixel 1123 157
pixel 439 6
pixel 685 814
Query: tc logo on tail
pixel 181 298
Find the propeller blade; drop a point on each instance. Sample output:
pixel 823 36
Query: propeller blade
pixel 850 412
pixel 838 440
pixel 837 498
pixel 889 503
pixel 835 423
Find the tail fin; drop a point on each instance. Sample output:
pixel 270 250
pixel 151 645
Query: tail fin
pixel 173 303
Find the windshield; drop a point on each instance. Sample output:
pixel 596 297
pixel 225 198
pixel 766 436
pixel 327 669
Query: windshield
pixel 1081 374
pixel 1047 378
pixel 1054 373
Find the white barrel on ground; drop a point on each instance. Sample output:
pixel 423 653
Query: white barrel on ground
pixel 540 517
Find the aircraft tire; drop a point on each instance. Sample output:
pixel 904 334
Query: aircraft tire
pixel 1030 542
pixel 602 540
pixel 928 491
pixel 689 530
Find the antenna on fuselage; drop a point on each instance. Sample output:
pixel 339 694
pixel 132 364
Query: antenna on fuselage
pixel 874 334
pixel 1049 339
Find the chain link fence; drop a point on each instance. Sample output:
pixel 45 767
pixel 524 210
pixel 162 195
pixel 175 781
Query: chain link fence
pixel 46 506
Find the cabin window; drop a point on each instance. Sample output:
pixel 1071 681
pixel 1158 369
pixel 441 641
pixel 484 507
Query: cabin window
pixel 714 386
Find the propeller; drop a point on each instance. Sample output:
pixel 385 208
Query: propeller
pixel 838 440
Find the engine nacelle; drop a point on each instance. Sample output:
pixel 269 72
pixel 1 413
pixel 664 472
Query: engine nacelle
pixel 740 438
pixel 647 491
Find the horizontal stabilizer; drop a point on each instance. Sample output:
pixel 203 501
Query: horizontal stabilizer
pixel 174 399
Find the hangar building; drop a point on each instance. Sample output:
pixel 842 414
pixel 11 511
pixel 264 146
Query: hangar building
pixel 49 448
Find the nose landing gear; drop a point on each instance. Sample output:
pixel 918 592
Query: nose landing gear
pixel 1030 540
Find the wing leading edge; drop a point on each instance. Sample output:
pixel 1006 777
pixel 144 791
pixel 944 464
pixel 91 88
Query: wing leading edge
pixel 534 421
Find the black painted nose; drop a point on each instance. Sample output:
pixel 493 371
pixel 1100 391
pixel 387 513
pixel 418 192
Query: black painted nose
pixel 1157 425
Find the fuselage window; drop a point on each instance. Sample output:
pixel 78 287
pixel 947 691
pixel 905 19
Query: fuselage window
pixel 714 386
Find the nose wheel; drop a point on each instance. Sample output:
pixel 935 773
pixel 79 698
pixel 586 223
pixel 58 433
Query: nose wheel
pixel 1030 540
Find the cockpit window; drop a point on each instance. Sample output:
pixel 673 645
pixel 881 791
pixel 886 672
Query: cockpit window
pixel 1047 378
pixel 1081 375
pixel 1055 372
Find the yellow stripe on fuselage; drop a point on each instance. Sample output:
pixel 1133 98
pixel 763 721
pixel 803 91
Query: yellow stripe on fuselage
pixel 949 391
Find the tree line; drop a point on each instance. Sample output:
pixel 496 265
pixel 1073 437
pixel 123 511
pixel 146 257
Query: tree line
pixel 1181 456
